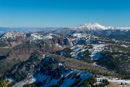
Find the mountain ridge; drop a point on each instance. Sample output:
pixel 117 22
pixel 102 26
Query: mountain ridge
pixel 88 26
pixel 97 26
pixel 73 49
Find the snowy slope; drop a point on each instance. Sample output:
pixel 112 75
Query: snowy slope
pixel 36 36
pixel 95 51
pixel 68 76
pixel 67 81
pixel 77 51
pixel 66 73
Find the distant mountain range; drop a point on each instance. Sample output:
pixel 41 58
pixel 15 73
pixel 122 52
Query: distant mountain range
pixel 65 57
pixel 89 26
pixel 26 30
pixel 96 26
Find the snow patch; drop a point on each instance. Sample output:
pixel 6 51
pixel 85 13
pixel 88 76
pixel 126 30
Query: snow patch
pixel 77 50
pixel 95 51
pixel 116 80
pixel 36 36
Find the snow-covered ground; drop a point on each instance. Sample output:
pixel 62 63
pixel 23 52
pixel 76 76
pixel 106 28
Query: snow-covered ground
pixel 95 51
pixel 49 36
pixel 83 75
pixel 115 80
pixel 66 82
pixel 36 36
pixel 77 50
pixel 124 46
pixel 79 35
pixel 47 80
pixel 119 81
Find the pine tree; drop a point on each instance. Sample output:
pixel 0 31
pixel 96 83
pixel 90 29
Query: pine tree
pixel 4 84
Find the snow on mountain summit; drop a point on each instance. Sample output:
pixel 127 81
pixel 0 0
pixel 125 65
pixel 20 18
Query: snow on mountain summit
pixel 96 26
pixel 91 26
pixel 13 34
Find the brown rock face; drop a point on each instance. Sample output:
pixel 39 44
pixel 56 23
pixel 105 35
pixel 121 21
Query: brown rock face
pixel 12 38
pixel 23 51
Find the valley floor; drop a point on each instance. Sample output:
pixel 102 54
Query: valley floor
pixel 114 84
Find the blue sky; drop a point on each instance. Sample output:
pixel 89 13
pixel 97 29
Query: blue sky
pixel 63 13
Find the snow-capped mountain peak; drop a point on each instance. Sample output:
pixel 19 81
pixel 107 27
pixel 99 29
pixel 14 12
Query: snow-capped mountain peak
pixel 96 26
pixel 91 26
pixel 13 34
